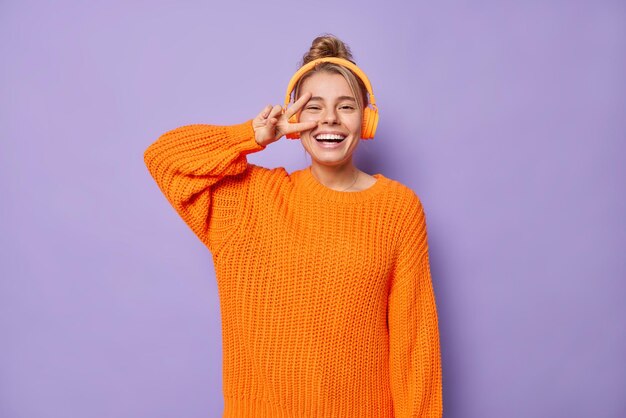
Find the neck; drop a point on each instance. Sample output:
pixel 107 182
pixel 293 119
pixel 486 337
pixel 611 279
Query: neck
pixel 337 177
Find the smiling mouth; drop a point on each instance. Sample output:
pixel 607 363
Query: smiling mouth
pixel 330 138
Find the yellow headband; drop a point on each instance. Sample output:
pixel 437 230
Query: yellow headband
pixel 341 61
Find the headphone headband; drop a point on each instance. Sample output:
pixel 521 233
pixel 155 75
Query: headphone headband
pixel 336 60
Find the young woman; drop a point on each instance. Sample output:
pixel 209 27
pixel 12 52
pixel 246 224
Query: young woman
pixel 327 304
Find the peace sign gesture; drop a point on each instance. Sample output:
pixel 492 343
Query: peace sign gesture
pixel 271 124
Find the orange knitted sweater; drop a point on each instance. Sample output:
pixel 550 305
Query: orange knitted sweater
pixel 326 299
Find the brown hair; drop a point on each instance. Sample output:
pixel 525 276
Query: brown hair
pixel 330 46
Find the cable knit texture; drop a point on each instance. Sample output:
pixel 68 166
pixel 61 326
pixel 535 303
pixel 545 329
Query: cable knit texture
pixel 326 299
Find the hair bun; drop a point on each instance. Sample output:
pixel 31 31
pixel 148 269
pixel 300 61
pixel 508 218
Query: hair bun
pixel 327 45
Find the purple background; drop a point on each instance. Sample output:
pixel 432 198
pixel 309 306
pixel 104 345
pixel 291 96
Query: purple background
pixel 506 118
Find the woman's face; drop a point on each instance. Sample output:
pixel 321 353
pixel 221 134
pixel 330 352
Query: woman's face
pixel 333 106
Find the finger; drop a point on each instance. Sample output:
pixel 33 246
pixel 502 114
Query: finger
pixel 298 104
pixel 276 110
pixel 300 127
pixel 264 113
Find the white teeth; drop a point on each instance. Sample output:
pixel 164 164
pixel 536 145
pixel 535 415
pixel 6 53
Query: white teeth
pixel 329 136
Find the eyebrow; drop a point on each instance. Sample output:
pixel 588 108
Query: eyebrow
pixel 340 98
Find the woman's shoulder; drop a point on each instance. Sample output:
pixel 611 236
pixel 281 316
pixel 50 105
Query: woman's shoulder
pixel 256 170
pixel 408 208
pixel 264 178
pixel 266 174
pixel 400 191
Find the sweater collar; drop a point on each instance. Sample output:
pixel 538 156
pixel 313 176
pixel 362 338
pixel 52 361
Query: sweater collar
pixel 311 185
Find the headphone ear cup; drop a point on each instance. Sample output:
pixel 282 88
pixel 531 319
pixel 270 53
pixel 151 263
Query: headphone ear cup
pixel 364 126
pixel 294 135
pixel 370 122
pixel 373 122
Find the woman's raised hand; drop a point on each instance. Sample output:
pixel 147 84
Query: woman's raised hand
pixel 271 124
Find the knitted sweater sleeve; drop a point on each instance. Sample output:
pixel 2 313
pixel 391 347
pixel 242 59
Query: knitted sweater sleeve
pixel 199 170
pixel 415 363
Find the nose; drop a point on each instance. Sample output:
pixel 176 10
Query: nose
pixel 330 116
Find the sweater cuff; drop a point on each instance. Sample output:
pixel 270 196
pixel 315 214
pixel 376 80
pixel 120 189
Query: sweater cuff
pixel 245 130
